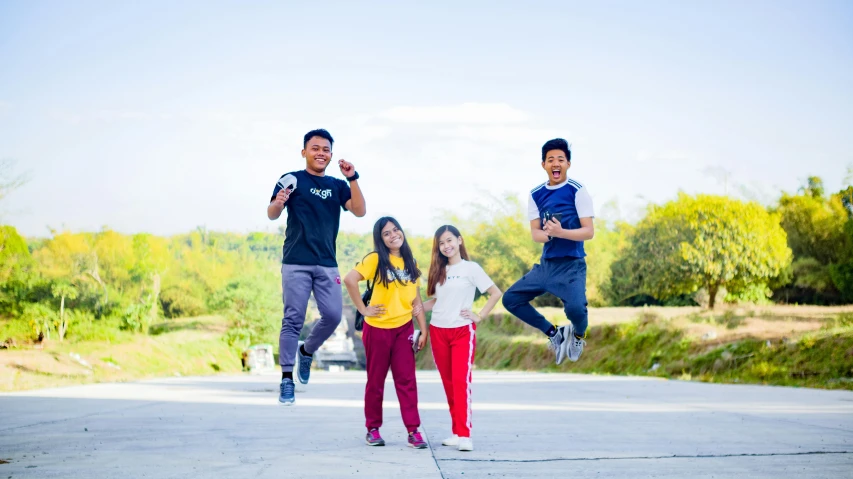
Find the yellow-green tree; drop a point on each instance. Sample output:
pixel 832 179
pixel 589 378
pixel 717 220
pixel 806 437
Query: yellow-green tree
pixel 16 269
pixel 14 254
pixel 65 256
pixel 69 263
pixel 704 241
pixel 150 261
pixel 115 257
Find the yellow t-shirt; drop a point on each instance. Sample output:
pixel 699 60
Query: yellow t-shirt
pixel 397 296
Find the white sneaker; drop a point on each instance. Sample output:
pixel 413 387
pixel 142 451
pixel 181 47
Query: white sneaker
pixel 451 441
pixel 466 444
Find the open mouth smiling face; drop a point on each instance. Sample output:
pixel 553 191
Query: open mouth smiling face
pixel 556 165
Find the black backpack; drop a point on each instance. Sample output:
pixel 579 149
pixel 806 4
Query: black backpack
pixel 359 318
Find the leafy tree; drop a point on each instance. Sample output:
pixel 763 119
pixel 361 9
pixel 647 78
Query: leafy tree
pixel 814 187
pixel 151 259
pixel 115 257
pixel 252 304
pixel 69 259
pixel 41 317
pixel 63 291
pixel 498 238
pixel 841 272
pixel 815 226
pixel 705 241
pixel 602 252
pixel 14 254
pixel 17 270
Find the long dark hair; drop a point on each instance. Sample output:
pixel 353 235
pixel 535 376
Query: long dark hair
pixel 384 265
pixel 438 265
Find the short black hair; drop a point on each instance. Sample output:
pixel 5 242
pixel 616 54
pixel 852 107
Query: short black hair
pixel 321 133
pixel 557 144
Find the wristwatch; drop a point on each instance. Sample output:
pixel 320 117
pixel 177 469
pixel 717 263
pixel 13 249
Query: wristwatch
pixel 353 177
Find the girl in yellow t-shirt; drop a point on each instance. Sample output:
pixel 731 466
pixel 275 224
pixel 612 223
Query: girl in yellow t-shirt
pixel 388 334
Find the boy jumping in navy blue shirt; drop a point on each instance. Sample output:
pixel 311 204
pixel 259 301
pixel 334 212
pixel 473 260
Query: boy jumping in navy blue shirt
pixel 560 213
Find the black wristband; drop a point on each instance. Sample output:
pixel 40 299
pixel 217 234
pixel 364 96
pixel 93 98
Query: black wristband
pixel 353 177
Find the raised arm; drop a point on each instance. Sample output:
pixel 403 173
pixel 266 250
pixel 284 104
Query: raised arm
pixel 356 202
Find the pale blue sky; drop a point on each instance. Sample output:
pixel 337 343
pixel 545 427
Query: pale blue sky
pixel 162 116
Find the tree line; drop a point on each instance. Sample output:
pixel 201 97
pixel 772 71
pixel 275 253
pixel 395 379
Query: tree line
pixel 692 250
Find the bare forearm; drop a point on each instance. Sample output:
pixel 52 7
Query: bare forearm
pixel 421 319
pixel 584 233
pixel 429 305
pixel 359 207
pixel 494 296
pixel 274 211
pixel 421 316
pixel 540 236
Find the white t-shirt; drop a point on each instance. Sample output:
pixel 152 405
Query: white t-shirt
pixel 457 293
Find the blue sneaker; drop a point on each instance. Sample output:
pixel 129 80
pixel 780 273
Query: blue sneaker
pixel 304 367
pixel 288 389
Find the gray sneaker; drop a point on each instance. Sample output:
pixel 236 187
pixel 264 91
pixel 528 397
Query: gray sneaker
pixel 557 346
pixel 568 332
pixel 575 347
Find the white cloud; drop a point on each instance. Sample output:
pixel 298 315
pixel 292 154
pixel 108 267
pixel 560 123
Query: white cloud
pixel 66 117
pixel 121 115
pixel 102 116
pixel 644 156
pixel 420 162
pixel 466 113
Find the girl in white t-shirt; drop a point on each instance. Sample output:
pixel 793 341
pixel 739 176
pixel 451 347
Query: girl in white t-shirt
pixel 452 284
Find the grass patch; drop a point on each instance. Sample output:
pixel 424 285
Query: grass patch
pixel 653 346
pixel 179 351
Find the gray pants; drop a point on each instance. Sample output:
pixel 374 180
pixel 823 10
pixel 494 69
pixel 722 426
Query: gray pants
pixel 297 282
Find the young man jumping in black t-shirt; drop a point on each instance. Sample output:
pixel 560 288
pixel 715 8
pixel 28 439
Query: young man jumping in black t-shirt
pixel 313 201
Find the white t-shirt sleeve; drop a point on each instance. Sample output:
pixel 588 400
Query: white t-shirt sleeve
pixel 532 209
pixel 480 278
pixel 583 203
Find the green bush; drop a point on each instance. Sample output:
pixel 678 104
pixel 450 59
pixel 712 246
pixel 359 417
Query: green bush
pixel 15 331
pixel 137 317
pixel 180 301
pixel 42 320
pixel 104 329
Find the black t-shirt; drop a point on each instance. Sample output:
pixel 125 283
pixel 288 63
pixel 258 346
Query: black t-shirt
pixel 313 218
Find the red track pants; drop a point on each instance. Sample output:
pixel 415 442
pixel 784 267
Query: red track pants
pixel 453 351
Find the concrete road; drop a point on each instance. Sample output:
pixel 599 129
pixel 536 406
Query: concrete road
pixel 525 425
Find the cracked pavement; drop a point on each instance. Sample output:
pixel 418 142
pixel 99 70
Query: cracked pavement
pixel 525 425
